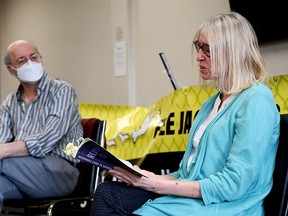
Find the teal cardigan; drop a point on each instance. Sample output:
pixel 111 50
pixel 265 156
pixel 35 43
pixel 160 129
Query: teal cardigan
pixel 234 162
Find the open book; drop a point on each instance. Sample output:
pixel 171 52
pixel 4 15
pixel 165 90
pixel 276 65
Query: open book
pixel 91 152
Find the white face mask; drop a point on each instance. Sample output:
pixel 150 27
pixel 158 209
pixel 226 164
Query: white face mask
pixel 30 72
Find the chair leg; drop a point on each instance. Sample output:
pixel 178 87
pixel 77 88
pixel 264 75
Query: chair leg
pixel 74 206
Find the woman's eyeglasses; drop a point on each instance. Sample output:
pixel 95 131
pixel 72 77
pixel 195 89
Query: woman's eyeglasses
pixel 203 46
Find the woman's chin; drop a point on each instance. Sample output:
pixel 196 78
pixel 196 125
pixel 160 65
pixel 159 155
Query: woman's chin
pixel 205 77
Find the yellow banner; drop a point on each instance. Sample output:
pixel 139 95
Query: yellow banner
pixel 134 132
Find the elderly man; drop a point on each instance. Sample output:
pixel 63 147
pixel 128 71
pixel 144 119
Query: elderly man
pixel 36 122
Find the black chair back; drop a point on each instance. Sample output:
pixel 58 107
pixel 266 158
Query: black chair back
pixel 275 204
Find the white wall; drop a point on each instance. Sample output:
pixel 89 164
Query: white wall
pixel 72 37
pixel 76 39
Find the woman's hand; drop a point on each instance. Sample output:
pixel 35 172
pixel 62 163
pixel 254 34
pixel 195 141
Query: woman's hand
pixel 161 184
pixel 148 182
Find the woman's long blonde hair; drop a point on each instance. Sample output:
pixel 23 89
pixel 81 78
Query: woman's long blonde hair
pixel 234 52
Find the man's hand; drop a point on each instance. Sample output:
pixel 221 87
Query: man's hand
pixel 13 149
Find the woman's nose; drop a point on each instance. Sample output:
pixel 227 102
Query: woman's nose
pixel 200 55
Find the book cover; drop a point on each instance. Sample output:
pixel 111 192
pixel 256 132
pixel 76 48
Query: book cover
pixel 91 152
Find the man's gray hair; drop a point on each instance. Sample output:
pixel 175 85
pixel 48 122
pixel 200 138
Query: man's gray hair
pixel 7 59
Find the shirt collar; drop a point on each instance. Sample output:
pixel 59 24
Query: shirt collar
pixel 41 86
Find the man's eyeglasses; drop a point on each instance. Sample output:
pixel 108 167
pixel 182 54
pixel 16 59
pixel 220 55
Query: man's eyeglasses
pixel 33 57
pixel 203 46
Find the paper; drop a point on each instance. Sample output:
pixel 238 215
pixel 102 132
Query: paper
pixel 120 59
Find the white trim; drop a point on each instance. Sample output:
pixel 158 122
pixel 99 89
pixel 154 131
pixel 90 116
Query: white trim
pixel 130 56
